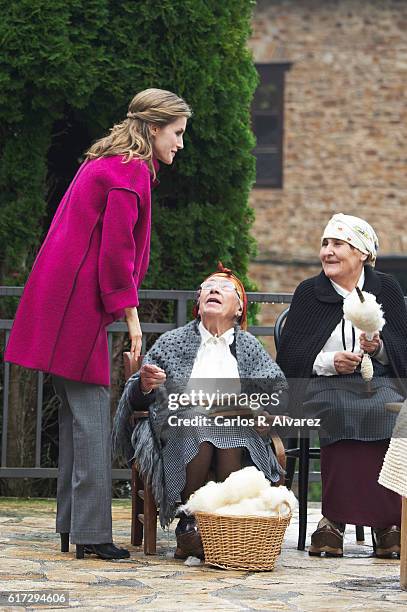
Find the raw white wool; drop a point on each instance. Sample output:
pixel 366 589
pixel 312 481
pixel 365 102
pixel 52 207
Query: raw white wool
pixel 272 501
pixel 253 506
pixel 244 483
pixel 279 500
pixel 205 499
pixel 244 493
pixel 366 316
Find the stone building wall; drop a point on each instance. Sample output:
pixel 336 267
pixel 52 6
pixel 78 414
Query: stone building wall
pixel 345 129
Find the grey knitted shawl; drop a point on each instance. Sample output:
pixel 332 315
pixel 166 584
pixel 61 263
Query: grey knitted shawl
pixel 175 353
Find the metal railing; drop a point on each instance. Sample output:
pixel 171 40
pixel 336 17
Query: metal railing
pixel 180 299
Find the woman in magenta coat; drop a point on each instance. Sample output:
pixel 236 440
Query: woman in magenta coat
pixel 86 275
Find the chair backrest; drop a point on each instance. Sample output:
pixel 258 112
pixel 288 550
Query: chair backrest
pixel 279 324
pixel 131 366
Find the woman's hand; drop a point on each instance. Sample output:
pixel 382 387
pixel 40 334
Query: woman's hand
pixel 151 377
pixel 346 362
pixel 370 346
pixel 134 328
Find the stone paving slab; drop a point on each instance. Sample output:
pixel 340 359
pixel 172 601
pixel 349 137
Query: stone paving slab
pixel 30 560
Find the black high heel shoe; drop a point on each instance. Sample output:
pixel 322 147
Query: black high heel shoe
pixel 105 551
pixel 80 551
pixel 64 542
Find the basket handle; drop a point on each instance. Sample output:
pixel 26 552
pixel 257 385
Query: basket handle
pixel 283 503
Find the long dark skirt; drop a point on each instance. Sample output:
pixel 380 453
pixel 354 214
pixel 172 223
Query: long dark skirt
pixel 350 491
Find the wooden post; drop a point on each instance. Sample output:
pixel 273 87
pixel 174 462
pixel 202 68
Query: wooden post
pixel 403 543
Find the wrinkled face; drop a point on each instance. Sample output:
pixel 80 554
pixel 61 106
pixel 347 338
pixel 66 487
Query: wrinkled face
pixel 219 299
pixel 340 261
pixel 168 139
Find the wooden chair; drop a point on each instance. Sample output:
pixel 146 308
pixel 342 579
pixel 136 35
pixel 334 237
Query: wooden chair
pixel 143 505
pixel 299 448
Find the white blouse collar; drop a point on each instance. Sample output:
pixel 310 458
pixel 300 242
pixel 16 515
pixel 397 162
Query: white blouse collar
pixel 344 292
pixel 226 337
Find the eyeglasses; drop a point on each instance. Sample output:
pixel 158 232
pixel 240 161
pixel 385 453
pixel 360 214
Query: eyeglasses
pixel 223 285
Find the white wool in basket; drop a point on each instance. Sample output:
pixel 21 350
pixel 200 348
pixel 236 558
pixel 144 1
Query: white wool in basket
pixel 273 501
pixel 244 483
pixel 244 493
pixel 279 500
pixel 367 315
pixel 253 506
pixel 205 499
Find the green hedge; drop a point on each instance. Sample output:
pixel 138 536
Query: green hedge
pixel 68 71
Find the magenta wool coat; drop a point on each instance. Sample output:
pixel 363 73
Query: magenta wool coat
pixel 87 271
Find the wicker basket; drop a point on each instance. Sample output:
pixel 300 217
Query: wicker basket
pixel 242 542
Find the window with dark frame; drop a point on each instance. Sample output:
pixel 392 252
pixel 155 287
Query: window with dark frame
pixel 268 124
pixel 396 265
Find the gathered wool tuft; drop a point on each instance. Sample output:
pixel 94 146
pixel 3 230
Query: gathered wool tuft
pixel 366 316
pixel 205 499
pixel 366 367
pixel 252 506
pixel 248 482
pixel 246 492
pixel 279 500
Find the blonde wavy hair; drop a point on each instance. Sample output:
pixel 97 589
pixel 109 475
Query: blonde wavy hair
pixel 132 137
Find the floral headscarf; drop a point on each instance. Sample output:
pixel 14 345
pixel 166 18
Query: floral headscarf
pixel 354 231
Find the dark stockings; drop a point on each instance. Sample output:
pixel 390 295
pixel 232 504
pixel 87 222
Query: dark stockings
pixel 197 470
pixel 227 460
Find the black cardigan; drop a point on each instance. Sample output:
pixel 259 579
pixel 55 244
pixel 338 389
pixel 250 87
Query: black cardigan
pixel 316 310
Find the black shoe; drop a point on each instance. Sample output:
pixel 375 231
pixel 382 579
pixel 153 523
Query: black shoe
pixel 188 538
pixel 64 542
pixel 107 551
pixel 80 551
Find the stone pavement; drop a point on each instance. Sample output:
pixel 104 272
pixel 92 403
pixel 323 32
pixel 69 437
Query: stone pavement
pixel 30 561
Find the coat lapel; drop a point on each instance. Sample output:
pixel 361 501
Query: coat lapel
pixel 372 283
pixel 324 290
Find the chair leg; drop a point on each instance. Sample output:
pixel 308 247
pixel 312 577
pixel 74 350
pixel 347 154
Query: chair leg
pixel 292 443
pixel 136 507
pixel 150 522
pixel 360 533
pixel 303 476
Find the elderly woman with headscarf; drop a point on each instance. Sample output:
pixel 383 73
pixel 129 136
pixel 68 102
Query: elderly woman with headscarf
pixel 322 353
pixel 174 452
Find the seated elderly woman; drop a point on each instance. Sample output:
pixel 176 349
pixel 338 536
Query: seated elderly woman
pixel 175 452
pixel 322 353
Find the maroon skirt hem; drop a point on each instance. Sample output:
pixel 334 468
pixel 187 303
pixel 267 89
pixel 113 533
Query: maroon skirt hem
pixel 350 491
